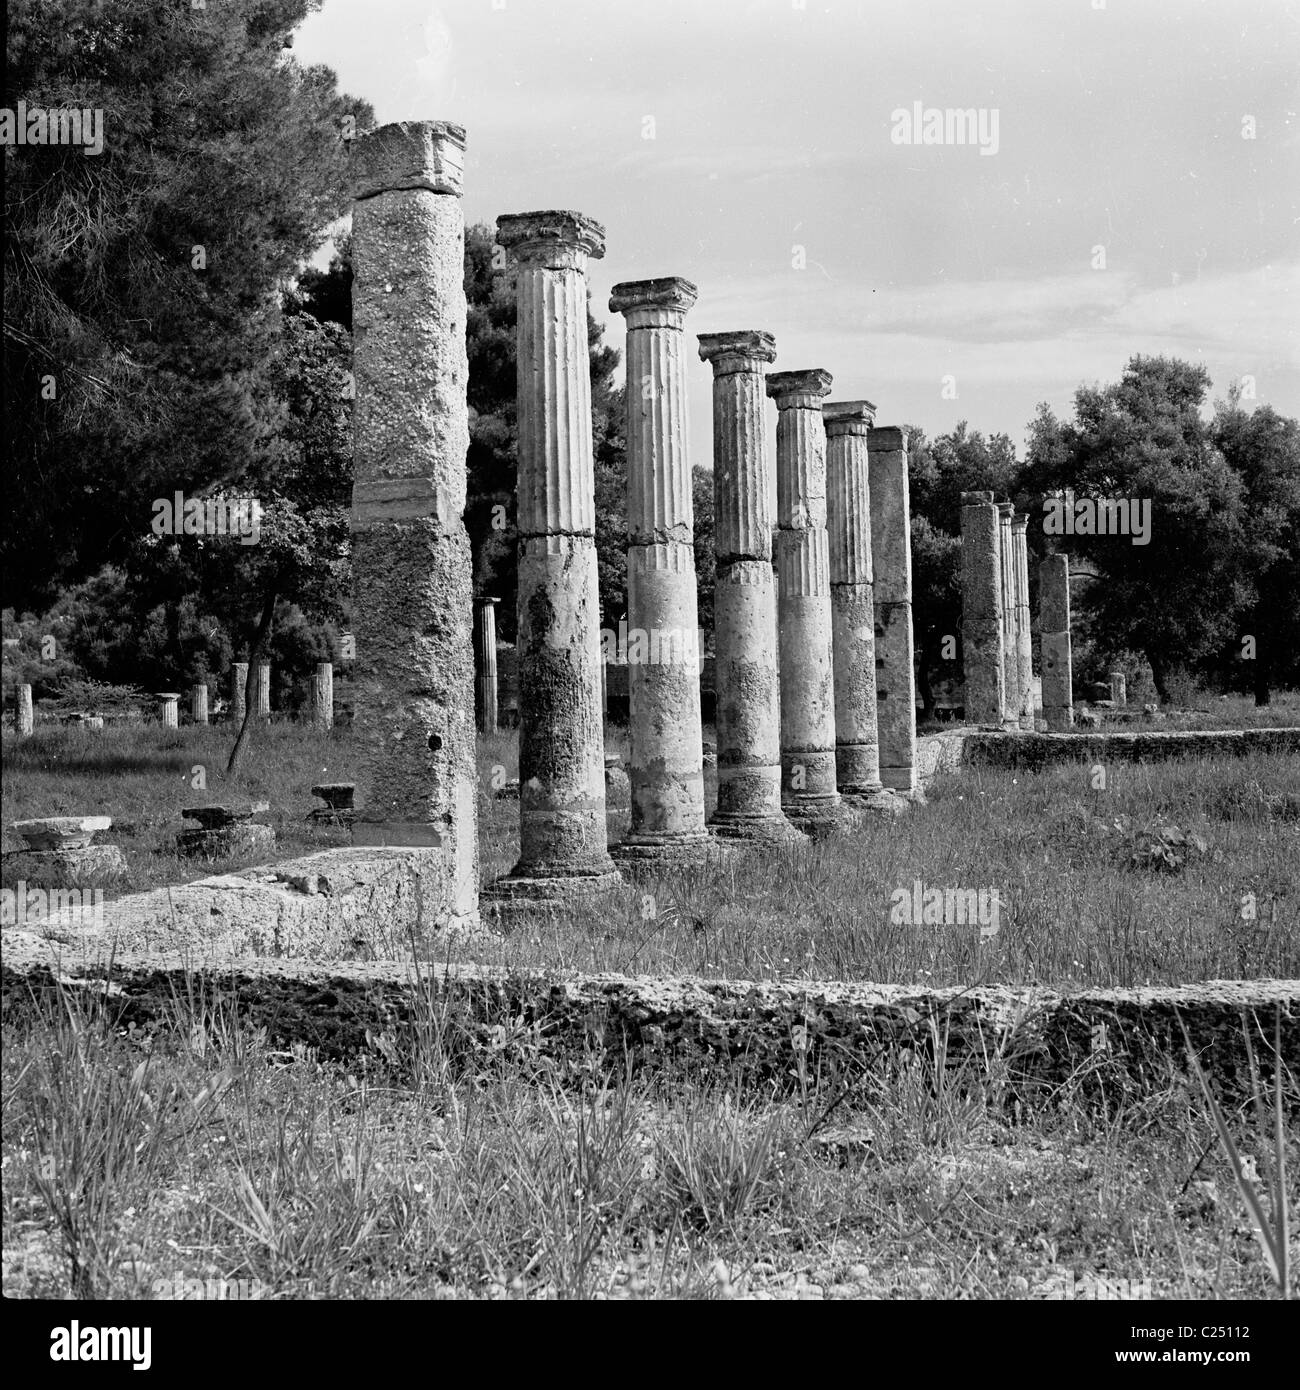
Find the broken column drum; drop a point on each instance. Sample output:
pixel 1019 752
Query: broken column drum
pixel 562 830
pixel 747 716
pixel 238 691
pixel 413 677
pixel 891 549
pixel 809 792
pixel 853 621
pixel 981 609
pixel 666 768
pixel 1054 634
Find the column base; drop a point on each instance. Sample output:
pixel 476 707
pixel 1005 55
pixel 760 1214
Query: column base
pixel 881 802
pixel 642 851
pixel 759 829
pixel 517 894
pixel 822 817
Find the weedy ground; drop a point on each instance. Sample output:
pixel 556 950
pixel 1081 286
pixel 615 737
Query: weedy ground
pixel 200 1150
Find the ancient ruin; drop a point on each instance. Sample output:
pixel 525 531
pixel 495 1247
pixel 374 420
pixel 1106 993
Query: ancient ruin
pixel 322 695
pixel 1024 641
pixel 747 714
pixel 238 691
pixel 981 609
pixel 1054 629
pixel 1010 643
pixel 199 703
pixel 485 654
pixel 665 766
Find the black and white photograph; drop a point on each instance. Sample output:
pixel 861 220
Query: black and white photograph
pixel 651 653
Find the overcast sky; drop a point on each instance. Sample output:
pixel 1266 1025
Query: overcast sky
pixel 929 269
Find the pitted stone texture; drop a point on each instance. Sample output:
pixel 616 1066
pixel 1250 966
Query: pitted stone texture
pixel 1054 627
pixel 413 676
pixel 238 691
pixel 981 612
pixel 665 762
pixel 226 841
pixel 756 1033
pixel 24 715
pixel 1118 689
pixel 322 695
pixel 60 832
pixel 67 867
pixel 891 549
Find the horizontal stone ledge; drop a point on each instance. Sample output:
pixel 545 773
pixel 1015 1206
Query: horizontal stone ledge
pixel 1026 750
pixel 1123 1040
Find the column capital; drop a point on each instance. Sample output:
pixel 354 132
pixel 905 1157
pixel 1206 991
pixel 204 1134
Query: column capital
pixel 804 388
pixel 409 155
pixel 848 417
pixel 741 350
pixel 658 303
pixel 554 239
pixel 977 499
pixel 1005 509
pixel 1020 521
pixel 884 438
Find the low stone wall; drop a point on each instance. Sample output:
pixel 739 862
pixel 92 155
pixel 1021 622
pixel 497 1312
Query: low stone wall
pixel 1123 1040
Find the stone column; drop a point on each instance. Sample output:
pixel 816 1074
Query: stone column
pixel 322 696
pixel 665 767
pixel 199 702
pixel 485 690
pixel 1054 630
pixel 891 548
pixel 24 715
pixel 853 619
pixel 170 708
pixel 1118 689
pixel 981 608
pixel 747 716
pixel 809 792
pixel 238 691
pixel 1010 642
pixel 562 830
pixel 262 689
pixel 413 677
pixel 1024 629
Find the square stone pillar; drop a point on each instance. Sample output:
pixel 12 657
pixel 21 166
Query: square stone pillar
pixel 1054 632
pixel 747 718
pixel 199 703
pixel 413 675
pixel 485 653
pixel 809 792
pixel 322 696
pixel 1010 618
pixel 853 620
pixel 1024 630
pixel 891 546
pixel 562 830
pixel 238 691
pixel 666 767
pixel 981 609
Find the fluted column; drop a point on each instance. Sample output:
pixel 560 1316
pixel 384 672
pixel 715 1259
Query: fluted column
pixel 1024 630
pixel 199 703
pixel 809 793
pixel 170 708
pixel 485 690
pixel 853 621
pixel 666 764
pixel 891 548
pixel 262 689
pixel 322 695
pixel 747 717
pixel 1054 633
pixel 981 608
pixel 238 691
pixel 562 832
pixel 413 677
pixel 1010 641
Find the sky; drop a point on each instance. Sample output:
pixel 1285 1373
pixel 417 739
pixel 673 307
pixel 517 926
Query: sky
pixel 1133 184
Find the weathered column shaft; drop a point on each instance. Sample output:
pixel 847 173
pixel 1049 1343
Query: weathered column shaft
pixel 238 691
pixel 1010 641
pixel 853 621
pixel 322 695
pixel 891 546
pixel 24 714
pixel 199 702
pixel 981 609
pixel 747 714
pixel 262 689
pixel 1054 633
pixel 562 828
pixel 413 676
pixel 666 767
pixel 1118 689
pixel 485 691
pixel 808 784
pixel 1024 629
pixel 170 711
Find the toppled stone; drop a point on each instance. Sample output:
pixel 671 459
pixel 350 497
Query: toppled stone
pixel 60 832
